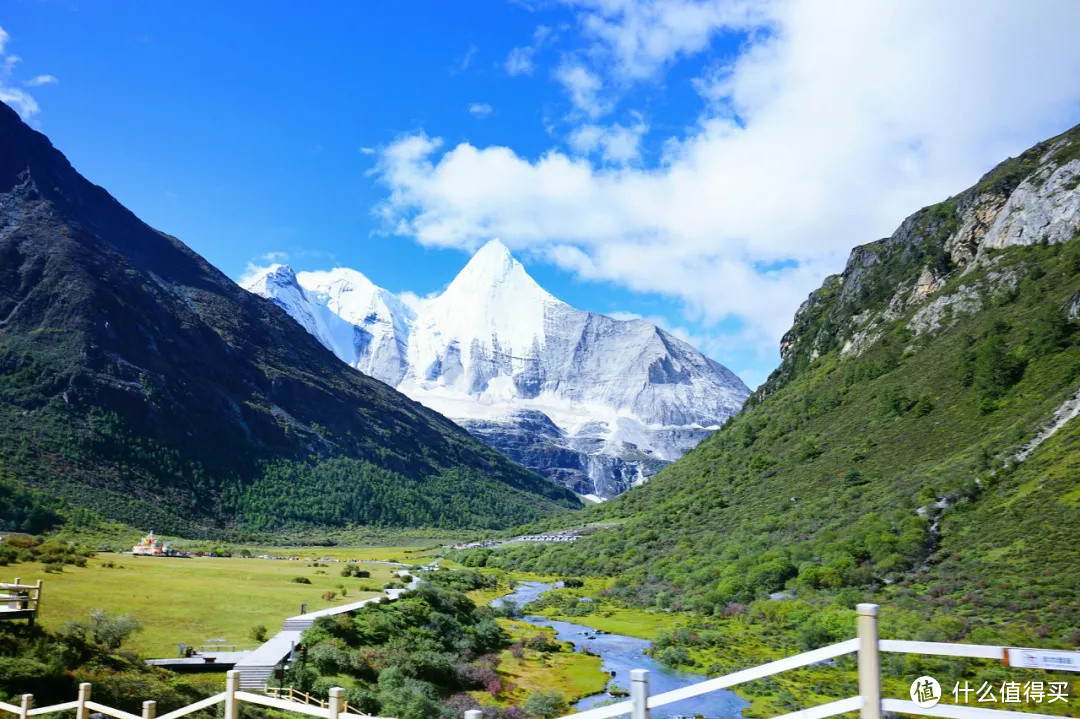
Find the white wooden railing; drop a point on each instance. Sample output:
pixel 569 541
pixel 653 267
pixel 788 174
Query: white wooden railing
pixel 19 601
pixel 868 703
pixel 232 698
pixel 295 695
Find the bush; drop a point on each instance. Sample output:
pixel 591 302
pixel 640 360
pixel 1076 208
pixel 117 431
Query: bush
pixel 996 369
pixel 544 643
pixel 507 608
pixel 673 657
pixel 825 627
pixel 924 405
pixel 545 704
pixel 404 697
pixel 301 580
pixel 329 658
pixel 259 633
pixel 103 629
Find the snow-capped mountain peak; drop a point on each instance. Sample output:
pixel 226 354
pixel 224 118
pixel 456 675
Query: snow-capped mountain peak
pixel 352 296
pixel 493 270
pixel 267 277
pixel 492 311
pixel 593 402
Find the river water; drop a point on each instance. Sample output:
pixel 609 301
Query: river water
pixel 620 654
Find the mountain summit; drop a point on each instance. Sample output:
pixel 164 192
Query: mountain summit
pixel 138 381
pixel 595 403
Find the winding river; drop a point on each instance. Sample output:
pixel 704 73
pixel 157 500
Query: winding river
pixel 620 654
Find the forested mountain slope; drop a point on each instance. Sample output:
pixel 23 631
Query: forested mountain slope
pixel 139 382
pixel 914 445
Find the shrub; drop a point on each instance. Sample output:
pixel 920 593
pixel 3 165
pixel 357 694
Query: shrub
pixel 545 704
pixel 996 369
pixel 824 627
pixel 301 580
pixel 507 608
pixel 924 405
pixel 352 570
pixel 103 629
pixel 673 656
pixel 544 643
pixel 259 633
pixel 329 658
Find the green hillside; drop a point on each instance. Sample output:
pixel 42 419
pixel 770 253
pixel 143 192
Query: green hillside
pixel 879 461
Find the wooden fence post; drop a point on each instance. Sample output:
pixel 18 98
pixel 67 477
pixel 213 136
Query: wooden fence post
pixel 639 693
pixel 81 712
pixel 869 661
pixel 149 709
pixel 474 714
pixel 334 705
pixel 37 603
pixel 24 706
pixel 232 685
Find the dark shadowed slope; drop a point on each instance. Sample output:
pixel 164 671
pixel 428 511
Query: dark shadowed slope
pixel 139 381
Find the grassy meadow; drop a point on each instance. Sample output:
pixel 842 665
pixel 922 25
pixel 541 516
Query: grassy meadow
pixel 573 674
pixel 194 600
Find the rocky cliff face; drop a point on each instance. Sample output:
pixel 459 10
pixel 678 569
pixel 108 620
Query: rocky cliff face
pixel 595 403
pixel 1025 200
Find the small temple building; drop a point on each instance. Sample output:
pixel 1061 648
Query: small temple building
pixel 151 545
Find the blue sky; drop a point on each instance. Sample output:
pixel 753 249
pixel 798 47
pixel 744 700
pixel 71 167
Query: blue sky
pixel 701 162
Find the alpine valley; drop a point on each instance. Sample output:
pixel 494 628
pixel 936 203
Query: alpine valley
pixel 140 384
pixel 594 403
pixel 917 447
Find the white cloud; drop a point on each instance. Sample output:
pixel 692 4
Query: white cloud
pixel 465 61
pixel 637 38
pixel 275 257
pixel 616 144
pixel 414 301
pixel 834 121
pixel 582 86
pixel 23 102
pixel 251 271
pixel 519 61
pixel 42 80
pixel 481 109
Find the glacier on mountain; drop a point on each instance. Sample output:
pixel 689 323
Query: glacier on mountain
pixel 594 403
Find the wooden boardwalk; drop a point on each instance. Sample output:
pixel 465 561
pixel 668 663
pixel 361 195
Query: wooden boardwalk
pixel 257 666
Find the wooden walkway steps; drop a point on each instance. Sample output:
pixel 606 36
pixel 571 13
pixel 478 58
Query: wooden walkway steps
pixel 257 667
